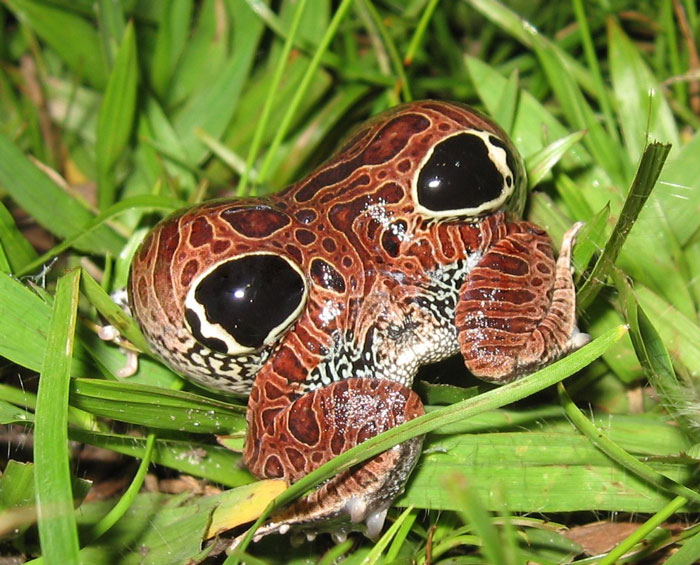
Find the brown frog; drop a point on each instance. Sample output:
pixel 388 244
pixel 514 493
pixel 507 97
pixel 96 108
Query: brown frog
pixel 321 302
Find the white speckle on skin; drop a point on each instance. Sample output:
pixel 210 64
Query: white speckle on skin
pixel 329 312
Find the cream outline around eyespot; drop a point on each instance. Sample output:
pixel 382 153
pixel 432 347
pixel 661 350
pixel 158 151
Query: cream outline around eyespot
pixel 216 331
pixel 501 164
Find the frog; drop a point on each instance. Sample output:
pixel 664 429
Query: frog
pixel 319 303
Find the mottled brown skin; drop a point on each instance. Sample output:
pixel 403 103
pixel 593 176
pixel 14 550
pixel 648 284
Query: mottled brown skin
pixel 370 257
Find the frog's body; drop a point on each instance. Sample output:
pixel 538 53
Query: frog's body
pixel 322 301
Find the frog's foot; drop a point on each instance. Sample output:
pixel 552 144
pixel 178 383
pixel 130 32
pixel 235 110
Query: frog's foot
pixel 517 308
pixel 322 424
pixel 355 500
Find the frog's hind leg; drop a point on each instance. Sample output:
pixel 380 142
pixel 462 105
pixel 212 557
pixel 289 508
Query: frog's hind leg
pixel 322 424
pixel 517 309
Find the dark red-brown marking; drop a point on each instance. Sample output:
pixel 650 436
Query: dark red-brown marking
pixel 256 222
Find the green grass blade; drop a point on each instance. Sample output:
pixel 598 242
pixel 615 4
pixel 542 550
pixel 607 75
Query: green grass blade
pixel 25 317
pixel 589 50
pixel 375 554
pixel 57 528
pixel 619 455
pixel 210 462
pixel 638 93
pixel 541 163
pixel 655 360
pixel 581 116
pixel 144 202
pixel 649 169
pixel 171 41
pixel 688 554
pixel 402 86
pixel 419 33
pixel 111 23
pixel 156 407
pixel 211 108
pixel 527 34
pixel 49 204
pixel 116 513
pixel 643 531
pixel 270 98
pixel 126 326
pixel 15 246
pixel 508 103
pixel 590 239
pixel 71 36
pixel 401 535
pixel 302 88
pixel 680 334
pixel 115 121
pixel 678 193
pixel 474 514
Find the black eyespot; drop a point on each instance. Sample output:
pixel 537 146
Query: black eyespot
pixel 459 174
pixel 244 303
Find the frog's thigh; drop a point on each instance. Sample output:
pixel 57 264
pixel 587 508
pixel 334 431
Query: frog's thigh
pixel 326 422
pixel 517 308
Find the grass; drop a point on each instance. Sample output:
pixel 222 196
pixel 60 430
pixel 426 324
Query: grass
pixel 114 113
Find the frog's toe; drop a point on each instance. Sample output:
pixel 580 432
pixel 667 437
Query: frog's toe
pixel 359 511
pixel 375 523
pixel 578 339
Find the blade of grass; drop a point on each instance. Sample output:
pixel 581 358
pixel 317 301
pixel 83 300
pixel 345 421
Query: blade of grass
pixel 619 455
pixel 541 163
pixel 270 98
pixel 643 531
pixel 351 72
pixel 401 535
pixel 111 25
pixel 474 514
pixel 126 500
pixel 590 240
pixel 72 37
pixel 638 94
pixel 580 115
pixel 115 120
pixel 232 160
pixel 302 88
pixel 17 249
pixel 210 462
pixel 457 412
pixel 575 202
pixel 27 400
pixel 212 107
pixel 144 202
pixel 402 86
pixel 688 554
pixel 508 103
pixel 526 33
pixel 589 51
pixel 419 33
pixel 57 527
pixel 172 38
pixel 655 360
pixel 104 304
pixel 50 205
pixel 648 172
pixel 157 407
